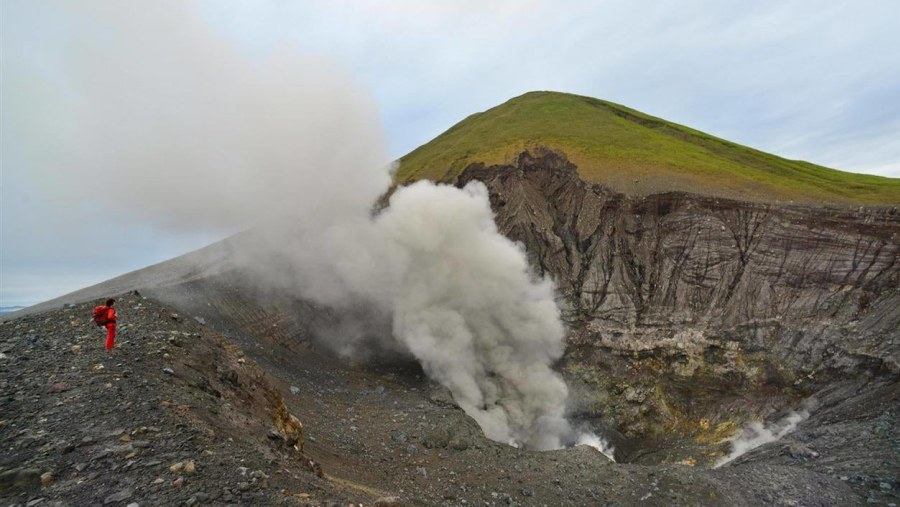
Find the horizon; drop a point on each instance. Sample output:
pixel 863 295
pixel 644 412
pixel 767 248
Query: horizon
pixel 822 88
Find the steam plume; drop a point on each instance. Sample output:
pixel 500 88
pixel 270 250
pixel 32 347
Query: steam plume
pixel 757 434
pixel 183 129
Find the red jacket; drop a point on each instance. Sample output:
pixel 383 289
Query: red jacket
pixel 110 316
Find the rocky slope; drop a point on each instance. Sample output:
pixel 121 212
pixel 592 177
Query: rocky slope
pixel 381 434
pixel 175 415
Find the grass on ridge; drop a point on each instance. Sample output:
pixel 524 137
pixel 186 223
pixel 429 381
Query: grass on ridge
pixel 635 153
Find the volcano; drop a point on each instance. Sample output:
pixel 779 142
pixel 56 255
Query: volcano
pixel 709 291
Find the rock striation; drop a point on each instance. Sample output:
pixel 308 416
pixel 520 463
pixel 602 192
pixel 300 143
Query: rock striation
pixel 694 314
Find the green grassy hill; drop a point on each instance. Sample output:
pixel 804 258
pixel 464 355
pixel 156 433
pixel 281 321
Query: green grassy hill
pixel 635 153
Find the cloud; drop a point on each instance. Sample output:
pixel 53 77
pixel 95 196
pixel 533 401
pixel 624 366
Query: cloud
pixel 785 77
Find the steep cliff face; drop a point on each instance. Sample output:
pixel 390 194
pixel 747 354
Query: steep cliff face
pixel 694 307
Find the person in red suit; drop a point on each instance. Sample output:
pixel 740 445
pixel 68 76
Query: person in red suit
pixel 110 324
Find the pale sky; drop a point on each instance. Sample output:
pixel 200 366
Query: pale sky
pixel 811 80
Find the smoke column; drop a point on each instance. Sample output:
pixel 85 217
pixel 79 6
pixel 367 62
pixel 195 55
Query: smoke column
pixel 189 132
pixel 468 310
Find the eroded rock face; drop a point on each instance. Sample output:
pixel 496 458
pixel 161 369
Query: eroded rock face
pixel 705 307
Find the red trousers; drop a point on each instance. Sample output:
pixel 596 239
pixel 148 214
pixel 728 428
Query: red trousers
pixel 110 336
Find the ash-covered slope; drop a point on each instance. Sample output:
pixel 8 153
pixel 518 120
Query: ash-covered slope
pixel 175 415
pixel 202 263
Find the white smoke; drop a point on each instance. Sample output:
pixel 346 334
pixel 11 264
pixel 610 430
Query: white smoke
pixel 141 106
pixel 461 299
pixel 177 126
pixel 757 434
pixel 468 309
pixel 598 443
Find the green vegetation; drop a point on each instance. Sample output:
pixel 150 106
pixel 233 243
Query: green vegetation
pixel 635 153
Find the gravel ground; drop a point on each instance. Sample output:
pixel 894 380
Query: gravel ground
pixel 181 414
pixel 175 415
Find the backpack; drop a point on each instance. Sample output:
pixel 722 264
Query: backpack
pixel 100 313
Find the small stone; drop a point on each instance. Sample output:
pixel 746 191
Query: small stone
pixel 133 504
pixel 190 502
pixel 190 467
pixel 800 452
pixel 35 502
pixel 168 370
pixel 230 376
pixel 421 471
pixel 176 467
pixel 243 486
pixel 411 449
pixel 459 444
pixel 178 482
pixel 634 395
pixel 174 316
pixel 159 480
pixel 295 390
pixel 46 479
pixel 527 492
pixel 121 496
pixel 388 501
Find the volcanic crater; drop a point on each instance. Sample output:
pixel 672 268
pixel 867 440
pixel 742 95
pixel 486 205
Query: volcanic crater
pixel 690 319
